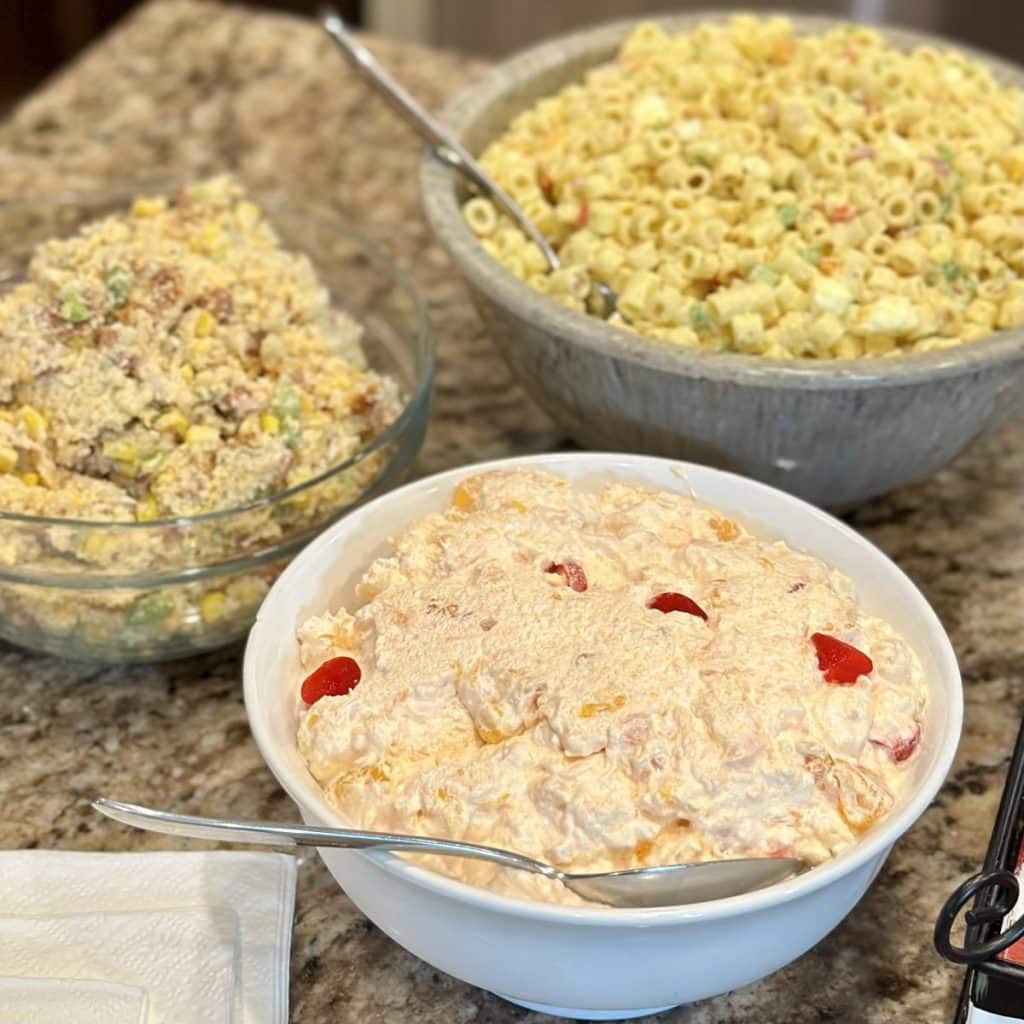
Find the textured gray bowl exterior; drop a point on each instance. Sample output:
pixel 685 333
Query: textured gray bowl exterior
pixel 835 433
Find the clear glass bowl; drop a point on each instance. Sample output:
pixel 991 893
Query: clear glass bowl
pixel 149 591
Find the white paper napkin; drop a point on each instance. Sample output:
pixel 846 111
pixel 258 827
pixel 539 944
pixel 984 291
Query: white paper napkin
pixel 70 1001
pixel 183 959
pixel 258 887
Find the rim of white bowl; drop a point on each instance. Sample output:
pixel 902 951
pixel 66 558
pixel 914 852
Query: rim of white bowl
pixel 877 842
pixel 438 187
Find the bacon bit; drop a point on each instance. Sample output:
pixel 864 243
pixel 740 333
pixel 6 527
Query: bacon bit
pixel 798 586
pixel 828 264
pixel 903 747
pixel 583 217
pixel 570 571
pixel 364 403
pixel 840 662
pixel 219 302
pixel 671 601
pixel 940 165
pixel 842 213
pixel 334 678
pixel 546 185
pixel 166 285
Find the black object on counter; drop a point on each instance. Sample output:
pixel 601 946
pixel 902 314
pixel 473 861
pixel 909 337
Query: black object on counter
pixel 993 946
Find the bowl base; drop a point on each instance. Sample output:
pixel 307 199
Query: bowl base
pixel 564 1011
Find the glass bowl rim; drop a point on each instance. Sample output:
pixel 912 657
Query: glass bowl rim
pixel 424 340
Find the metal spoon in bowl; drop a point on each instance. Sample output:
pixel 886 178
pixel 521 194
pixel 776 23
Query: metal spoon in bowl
pixel 668 886
pixel 602 300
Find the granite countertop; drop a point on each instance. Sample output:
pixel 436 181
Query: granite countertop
pixel 186 88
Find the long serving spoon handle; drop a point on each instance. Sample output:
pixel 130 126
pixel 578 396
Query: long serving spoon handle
pixel 225 831
pixel 446 147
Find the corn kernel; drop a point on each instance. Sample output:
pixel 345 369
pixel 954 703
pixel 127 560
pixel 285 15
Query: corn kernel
pixel 198 434
pixel 33 421
pixel 143 207
pixel 204 324
pixel 213 606
pixel 30 479
pixel 96 545
pixel 188 374
pixel 172 421
pixel 208 239
pixel 270 424
pixel 147 510
pixel 8 459
pixel 121 450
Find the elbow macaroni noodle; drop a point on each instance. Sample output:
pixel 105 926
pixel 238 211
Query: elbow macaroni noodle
pixel 744 189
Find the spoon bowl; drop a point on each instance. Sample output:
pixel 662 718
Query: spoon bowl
pixel 667 886
pixel 602 301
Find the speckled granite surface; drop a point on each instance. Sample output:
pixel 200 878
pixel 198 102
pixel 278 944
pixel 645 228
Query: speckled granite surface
pixel 189 88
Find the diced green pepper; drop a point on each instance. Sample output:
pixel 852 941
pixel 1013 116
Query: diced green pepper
pixel 151 463
pixel 812 255
pixel 946 155
pixel 150 608
pixel 788 215
pixel 763 274
pixel 287 402
pixel 951 271
pixel 73 307
pixel 119 285
pixel 699 317
pixel 945 206
pixel 291 434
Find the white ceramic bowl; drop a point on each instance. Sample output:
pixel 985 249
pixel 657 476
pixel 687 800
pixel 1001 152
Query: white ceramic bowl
pixel 590 962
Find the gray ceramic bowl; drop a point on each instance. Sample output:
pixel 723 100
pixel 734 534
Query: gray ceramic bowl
pixel 835 432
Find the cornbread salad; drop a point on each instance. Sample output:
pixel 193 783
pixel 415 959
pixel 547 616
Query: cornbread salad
pixel 165 363
pixel 746 189
pixel 604 680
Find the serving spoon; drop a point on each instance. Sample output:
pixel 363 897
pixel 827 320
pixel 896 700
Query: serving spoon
pixel 602 299
pixel 672 885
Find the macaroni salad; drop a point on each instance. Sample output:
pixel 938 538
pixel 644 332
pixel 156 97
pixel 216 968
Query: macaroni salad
pixel 745 189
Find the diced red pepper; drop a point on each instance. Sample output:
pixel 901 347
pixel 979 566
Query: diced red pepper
pixel 572 572
pixel 671 601
pixel 828 264
pixel 583 217
pixel 840 662
pixel 335 677
pixel 842 213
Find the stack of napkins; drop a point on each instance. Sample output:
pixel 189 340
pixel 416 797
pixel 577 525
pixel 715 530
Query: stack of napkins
pixel 145 938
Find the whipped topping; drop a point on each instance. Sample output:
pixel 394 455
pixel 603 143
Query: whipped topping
pixel 519 690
